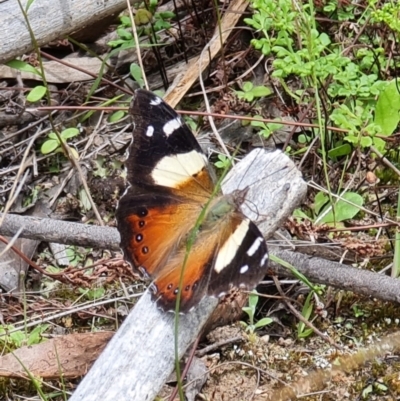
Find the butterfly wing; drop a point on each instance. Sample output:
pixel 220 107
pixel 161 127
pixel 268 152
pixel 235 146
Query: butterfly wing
pixel 233 254
pixel 164 152
pixel 152 227
pixel 241 261
pixel 169 181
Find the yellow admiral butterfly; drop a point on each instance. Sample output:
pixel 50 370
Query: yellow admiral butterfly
pixel 170 183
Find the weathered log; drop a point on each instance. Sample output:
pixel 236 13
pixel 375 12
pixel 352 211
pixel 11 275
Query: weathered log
pixel 140 357
pixel 62 232
pixel 49 20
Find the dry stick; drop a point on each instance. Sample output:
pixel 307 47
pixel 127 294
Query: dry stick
pixel 348 278
pixel 318 270
pixel 186 80
pixel 140 357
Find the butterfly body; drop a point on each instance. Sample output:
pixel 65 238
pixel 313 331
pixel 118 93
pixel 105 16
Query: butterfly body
pixel 173 222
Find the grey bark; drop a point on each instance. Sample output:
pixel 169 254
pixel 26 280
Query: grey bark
pixel 49 20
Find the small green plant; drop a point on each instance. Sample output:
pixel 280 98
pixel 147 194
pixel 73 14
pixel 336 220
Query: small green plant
pixel 302 330
pixel 265 129
pixel 53 143
pixel 388 13
pixel 358 312
pixel 340 210
pixel 288 32
pixel 252 326
pixel 36 94
pixel 223 162
pixel 324 213
pixel 251 92
pixel 92 294
pixel 143 18
pixel 387 115
pixel 16 339
pixel 76 255
pixel 137 74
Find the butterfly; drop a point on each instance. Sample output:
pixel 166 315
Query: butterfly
pixel 170 220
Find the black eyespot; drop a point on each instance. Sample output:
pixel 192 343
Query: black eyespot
pixel 195 284
pixel 142 212
pixel 141 223
pixel 169 286
pixel 139 237
pixel 176 291
pixel 187 288
pixel 145 249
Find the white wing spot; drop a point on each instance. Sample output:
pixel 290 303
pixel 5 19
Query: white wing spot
pixel 256 244
pixel 244 269
pixel 172 125
pixel 221 294
pixel 229 249
pixel 264 259
pixel 172 171
pixel 155 101
pixel 150 131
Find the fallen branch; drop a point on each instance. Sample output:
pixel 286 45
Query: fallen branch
pixel 50 20
pixel 318 270
pixel 62 232
pixel 140 357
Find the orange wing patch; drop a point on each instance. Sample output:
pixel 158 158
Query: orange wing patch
pixel 195 279
pixel 156 233
pixel 196 271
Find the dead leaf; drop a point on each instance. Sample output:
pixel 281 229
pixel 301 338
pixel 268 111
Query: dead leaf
pixel 71 356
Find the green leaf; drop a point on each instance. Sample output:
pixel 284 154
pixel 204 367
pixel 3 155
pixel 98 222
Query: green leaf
pixel 379 144
pixel 248 310
pixel 143 17
pixel 324 39
pixel 258 124
pixel 53 135
pixel 351 139
pixel 343 210
pixel 28 4
pixel 116 116
pixel 387 108
pixel 341 150
pixel 17 338
pixel 166 14
pixel 124 34
pixel 35 337
pixel 365 141
pixel 300 214
pixel 36 93
pixel 248 96
pixel 253 300
pixel 265 321
pixel 125 20
pixel 69 133
pixel 49 146
pixel 261 91
pixel 247 86
pixel 22 66
pixel 319 201
pixel 136 73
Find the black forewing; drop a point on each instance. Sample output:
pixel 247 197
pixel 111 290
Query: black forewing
pixel 146 151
